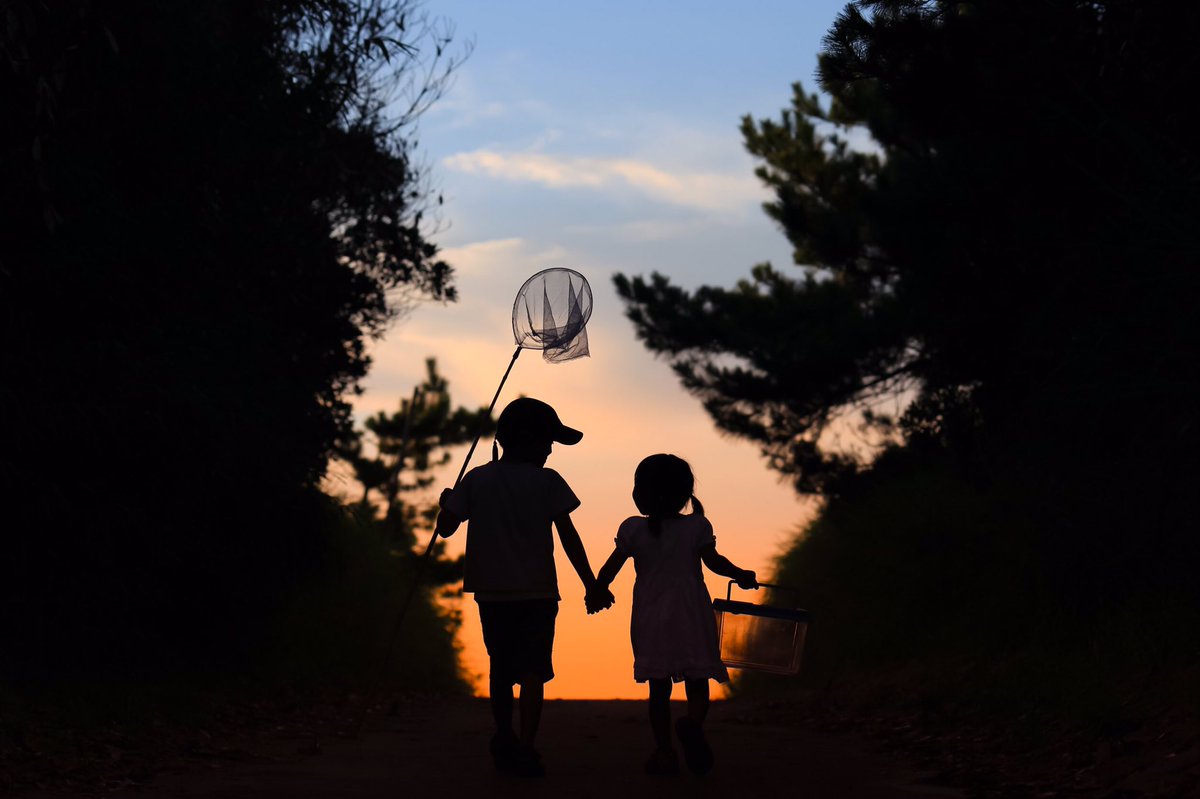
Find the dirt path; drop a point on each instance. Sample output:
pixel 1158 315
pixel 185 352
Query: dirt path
pixel 591 749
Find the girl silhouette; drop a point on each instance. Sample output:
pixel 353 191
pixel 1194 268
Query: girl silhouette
pixel 673 629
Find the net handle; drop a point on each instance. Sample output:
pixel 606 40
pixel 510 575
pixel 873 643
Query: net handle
pixel 483 422
pixel 426 555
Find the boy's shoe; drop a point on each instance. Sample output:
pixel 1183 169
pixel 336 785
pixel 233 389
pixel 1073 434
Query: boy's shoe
pixel 696 752
pixel 504 748
pixel 663 763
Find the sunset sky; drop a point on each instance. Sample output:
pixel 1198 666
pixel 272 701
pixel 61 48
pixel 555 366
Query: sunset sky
pixel 604 137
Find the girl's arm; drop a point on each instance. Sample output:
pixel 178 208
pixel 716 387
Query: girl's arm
pixel 719 564
pixel 596 596
pixel 602 598
pixel 608 572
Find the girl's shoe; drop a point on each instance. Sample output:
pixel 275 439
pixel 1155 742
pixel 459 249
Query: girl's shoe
pixel 663 763
pixel 696 751
pixel 527 762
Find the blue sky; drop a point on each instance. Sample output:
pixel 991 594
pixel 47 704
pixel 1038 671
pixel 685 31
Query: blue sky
pixel 615 125
pixel 604 137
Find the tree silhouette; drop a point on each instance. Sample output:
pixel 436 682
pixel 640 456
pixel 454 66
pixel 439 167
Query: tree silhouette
pixel 957 253
pixel 1010 249
pixel 409 445
pixel 207 207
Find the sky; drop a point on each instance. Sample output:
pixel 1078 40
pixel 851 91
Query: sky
pixel 604 137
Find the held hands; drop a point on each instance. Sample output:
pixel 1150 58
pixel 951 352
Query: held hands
pixel 746 579
pixel 598 598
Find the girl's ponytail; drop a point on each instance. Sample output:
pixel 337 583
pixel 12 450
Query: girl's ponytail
pixel 697 508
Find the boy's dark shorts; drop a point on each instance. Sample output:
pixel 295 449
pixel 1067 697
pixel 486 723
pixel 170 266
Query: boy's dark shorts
pixel 519 637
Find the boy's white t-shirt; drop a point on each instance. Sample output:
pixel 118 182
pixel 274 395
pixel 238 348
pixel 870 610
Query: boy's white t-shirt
pixel 509 509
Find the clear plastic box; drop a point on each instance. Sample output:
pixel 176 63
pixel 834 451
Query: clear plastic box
pixel 760 637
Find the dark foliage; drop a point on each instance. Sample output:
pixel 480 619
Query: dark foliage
pixel 1013 252
pixel 206 207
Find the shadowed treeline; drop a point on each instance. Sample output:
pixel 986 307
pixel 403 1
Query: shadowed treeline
pixel 987 367
pixel 207 207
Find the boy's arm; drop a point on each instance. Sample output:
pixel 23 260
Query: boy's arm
pixel 447 522
pixel 573 548
pixel 719 564
pixel 596 597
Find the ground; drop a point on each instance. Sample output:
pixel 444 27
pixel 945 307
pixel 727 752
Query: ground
pixel 591 749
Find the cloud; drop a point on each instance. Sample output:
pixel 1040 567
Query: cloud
pixel 646 230
pixel 477 256
pixel 708 191
pixel 499 265
pixel 468 104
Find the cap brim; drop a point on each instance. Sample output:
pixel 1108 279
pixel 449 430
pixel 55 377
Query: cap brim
pixel 567 435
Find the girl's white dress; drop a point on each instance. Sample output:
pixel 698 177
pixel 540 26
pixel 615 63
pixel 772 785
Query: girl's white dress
pixel 673 629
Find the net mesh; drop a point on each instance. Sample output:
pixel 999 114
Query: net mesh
pixel 551 314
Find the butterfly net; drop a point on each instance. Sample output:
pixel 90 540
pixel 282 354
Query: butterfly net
pixel 551 314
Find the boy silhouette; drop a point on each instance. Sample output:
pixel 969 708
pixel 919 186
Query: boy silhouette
pixel 510 505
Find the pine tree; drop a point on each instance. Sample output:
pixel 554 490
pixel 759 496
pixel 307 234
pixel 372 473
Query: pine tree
pixel 409 445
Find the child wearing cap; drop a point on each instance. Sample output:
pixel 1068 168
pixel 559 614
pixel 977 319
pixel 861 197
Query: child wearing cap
pixel 510 505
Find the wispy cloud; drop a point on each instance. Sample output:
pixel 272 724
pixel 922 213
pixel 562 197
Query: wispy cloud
pixel 646 230
pixel 493 258
pixel 709 191
pixel 465 106
pixel 468 257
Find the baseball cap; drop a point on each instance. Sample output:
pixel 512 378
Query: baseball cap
pixel 529 418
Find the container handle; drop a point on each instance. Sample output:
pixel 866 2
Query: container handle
pixel 729 588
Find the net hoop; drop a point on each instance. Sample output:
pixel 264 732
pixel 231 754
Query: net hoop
pixel 551 312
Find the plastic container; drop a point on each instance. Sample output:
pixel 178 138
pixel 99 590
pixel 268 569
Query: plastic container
pixel 760 637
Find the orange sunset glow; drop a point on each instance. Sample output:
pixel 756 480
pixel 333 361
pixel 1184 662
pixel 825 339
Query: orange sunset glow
pixel 628 405
pixel 901 295
pixel 631 176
